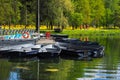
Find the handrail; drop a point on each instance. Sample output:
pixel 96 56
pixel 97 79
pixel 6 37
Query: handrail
pixel 12 32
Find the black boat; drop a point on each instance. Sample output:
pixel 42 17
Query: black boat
pixel 49 50
pixel 23 52
pixel 75 47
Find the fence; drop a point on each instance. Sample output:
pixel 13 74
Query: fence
pixel 12 32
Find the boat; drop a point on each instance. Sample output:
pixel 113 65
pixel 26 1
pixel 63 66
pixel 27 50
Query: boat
pixel 49 50
pixel 15 42
pixel 28 50
pixel 36 47
pixel 23 52
pixel 77 48
pixel 18 38
pixel 58 36
pixel 3 53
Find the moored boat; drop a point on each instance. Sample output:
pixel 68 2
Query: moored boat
pixel 49 50
pixel 15 42
pixel 18 39
pixel 75 47
pixel 23 52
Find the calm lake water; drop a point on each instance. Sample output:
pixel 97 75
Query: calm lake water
pixel 106 68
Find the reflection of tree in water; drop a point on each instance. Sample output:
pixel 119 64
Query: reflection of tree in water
pixel 34 69
pixel 47 69
pixel 4 69
pixel 14 76
pixel 19 66
pixel 112 52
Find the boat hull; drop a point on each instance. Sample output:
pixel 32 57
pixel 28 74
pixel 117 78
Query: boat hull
pixel 47 55
pixel 95 53
pixel 18 53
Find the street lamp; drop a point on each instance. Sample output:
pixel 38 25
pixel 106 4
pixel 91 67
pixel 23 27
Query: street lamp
pixel 38 17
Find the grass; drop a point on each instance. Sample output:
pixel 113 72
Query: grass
pixel 91 32
pixel 101 32
pixel 88 33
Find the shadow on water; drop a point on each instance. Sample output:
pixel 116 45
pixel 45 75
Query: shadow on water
pixel 76 58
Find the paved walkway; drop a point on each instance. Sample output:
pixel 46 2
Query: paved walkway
pixel 46 41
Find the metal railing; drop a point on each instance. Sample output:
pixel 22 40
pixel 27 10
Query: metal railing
pixel 12 32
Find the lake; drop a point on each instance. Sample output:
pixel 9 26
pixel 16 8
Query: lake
pixel 105 68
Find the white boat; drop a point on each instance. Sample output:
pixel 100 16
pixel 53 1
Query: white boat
pixel 18 39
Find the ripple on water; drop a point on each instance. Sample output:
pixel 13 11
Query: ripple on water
pixel 100 72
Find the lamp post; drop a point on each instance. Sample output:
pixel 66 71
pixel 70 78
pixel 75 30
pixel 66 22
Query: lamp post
pixel 38 17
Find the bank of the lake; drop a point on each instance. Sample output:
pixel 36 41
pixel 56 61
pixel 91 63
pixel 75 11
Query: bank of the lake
pixel 102 32
pixel 88 32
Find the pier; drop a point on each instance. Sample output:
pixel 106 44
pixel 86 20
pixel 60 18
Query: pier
pixel 45 41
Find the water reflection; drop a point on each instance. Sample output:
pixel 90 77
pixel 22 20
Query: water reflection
pixel 14 76
pixel 106 68
pixel 34 68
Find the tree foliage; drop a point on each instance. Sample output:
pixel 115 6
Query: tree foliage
pixel 61 13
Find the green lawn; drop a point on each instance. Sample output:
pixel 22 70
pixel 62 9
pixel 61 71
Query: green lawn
pixel 88 32
pixel 100 32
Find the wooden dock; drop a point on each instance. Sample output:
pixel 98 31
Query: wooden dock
pixel 45 41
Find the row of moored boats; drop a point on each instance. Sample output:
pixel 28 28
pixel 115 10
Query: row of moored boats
pixel 62 47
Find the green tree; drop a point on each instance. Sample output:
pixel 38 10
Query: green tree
pixel 97 11
pixel 10 13
pixel 116 15
pixel 5 11
pixel 28 12
pixel 111 12
pixel 83 7
pixel 76 20
pixel 15 14
pixel 53 12
pixel 117 18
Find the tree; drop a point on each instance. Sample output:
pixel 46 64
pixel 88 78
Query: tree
pixel 76 20
pixel 111 11
pixel 97 11
pixel 10 13
pixel 61 13
pixel 28 12
pixel 116 16
pixel 6 12
pixel 83 7
pixel 53 12
pixel 15 14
